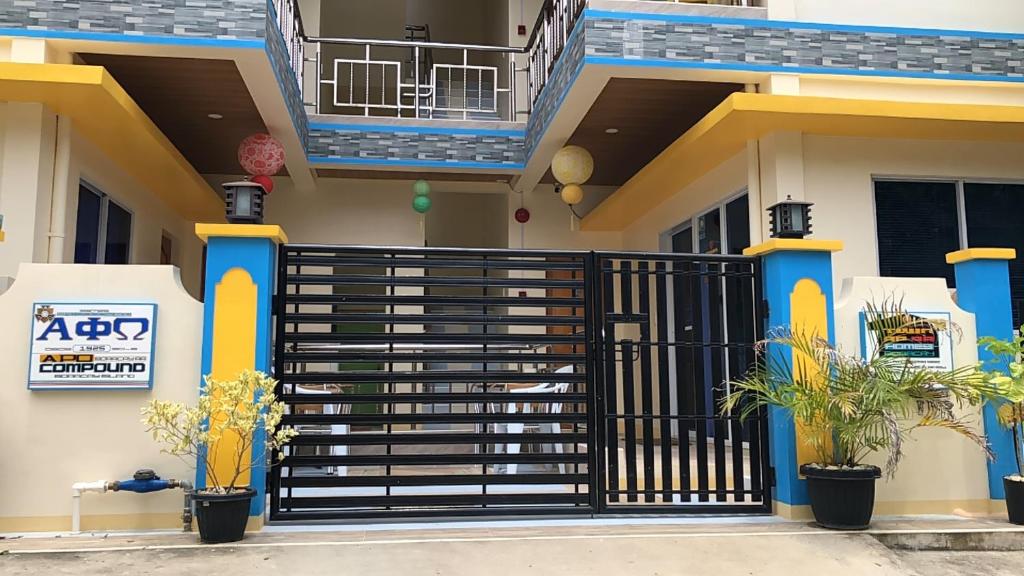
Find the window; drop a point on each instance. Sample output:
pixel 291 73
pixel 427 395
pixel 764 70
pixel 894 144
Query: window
pixel 166 250
pixel 920 222
pixel 709 235
pixel 104 229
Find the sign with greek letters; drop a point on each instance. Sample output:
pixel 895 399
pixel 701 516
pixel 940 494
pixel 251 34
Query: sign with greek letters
pixel 92 346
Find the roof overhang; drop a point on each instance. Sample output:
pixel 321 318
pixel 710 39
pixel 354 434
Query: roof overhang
pixel 725 131
pixel 107 116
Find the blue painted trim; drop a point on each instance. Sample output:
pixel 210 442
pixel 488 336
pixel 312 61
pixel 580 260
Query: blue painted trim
pixel 84 387
pixel 612 61
pixel 413 163
pixel 792 24
pixel 983 287
pixel 415 129
pixel 133 38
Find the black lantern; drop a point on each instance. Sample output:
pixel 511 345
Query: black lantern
pixel 244 202
pixel 790 218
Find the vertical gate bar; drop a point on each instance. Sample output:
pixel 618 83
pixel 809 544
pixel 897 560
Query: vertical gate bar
pixel 763 457
pixel 664 393
pixel 389 428
pixel 485 311
pixel 646 380
pixel 575 293
pixel 699 370
pixel 720 429
pixel 594 370
pixel 734 283
pixel 279 309
pixel 628 390
pixel 610 380
pixel 684 354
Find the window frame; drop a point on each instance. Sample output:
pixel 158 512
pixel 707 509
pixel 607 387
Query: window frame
pixel 691 222
pixel 101 226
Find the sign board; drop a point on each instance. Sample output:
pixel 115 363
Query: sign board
pixel 922 337
pixel 92 346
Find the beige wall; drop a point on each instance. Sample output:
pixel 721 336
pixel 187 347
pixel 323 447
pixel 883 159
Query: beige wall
pixel 991 15
pixel 941 472
pixel 55 438
pixel 552 226
pixel 728 179
pixel 151 218
pixel 463 220
pixel 838 179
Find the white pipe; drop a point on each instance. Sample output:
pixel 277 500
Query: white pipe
pixel 76 500
pixel 59 194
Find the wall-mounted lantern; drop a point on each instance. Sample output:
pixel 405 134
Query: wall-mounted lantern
pixel 790 218
pixel 244 202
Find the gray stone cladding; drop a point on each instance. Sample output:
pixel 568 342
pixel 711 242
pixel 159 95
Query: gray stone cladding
pixel 396 144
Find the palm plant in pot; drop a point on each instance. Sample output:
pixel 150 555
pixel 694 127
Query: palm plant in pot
pixel 1009 382
pixel 224 423
pixel 853 407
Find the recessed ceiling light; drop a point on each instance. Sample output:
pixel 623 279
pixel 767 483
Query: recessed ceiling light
pixel 215 116
pixel 611 131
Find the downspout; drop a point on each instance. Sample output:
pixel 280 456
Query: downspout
pixel 59 192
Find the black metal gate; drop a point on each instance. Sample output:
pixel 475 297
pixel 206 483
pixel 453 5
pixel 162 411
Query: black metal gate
pixel 455 382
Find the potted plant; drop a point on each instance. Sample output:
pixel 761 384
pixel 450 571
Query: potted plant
pixel 1009 384
pixel 854 407
pixel 230 411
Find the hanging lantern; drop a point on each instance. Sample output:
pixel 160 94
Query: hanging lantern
pixel 421 188
pixel 790 218
pixel 266 181
pixel 572 194
pixel 261 155
pixel 572 165
pixel 244 202
pixel 522 215
pixel 421 204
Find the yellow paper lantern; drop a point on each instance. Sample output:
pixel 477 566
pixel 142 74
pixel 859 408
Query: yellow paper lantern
pixel 572 165
pixel 572 194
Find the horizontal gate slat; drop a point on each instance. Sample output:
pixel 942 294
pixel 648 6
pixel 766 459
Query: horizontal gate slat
pixel 382 419
pixel 428 339
pixel 399 357
pixel 431 377
pixel 434 500
pixel 414 263
pixel 331 481
pixel 441 398
pixel 434 459
pixel 435 300
pixel 420 438
pixel 439 319
pixel 363 280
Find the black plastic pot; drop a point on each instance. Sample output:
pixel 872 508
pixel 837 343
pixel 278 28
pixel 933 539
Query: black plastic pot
pixel 222 517
pixel 1014 500
pixel 842 499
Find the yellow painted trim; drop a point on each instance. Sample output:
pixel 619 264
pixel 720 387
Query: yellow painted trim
pixel 108 118
pixel 981 254
pixel 793 244
pixel 234 350
pixel 271 231
pixel 254 524
pixel 808 316
pixel 725 131
pixel 91 522
pixel 3 236
pixel 790 512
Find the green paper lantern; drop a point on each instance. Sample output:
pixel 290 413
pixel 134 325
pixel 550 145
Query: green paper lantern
pixel 421 188
pixel 421 204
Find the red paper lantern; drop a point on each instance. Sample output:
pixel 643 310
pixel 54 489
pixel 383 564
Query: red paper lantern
pixel 522 215
pixel 261 155
pixel 266 181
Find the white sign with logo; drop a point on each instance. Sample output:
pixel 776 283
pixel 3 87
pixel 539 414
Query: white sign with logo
pixel 923 338
pixel 92 346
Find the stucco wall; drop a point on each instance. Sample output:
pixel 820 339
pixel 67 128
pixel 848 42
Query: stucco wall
pixel 52 439
pixel 838 179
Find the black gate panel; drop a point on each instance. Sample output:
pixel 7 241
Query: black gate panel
pixel 673 329
pixel 433 382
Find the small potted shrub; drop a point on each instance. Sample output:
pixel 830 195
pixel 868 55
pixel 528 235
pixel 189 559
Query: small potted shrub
pixel 852 408
pixel 1009 384
pixel 232 411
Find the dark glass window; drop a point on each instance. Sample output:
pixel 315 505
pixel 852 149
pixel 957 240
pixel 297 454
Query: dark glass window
pixel 737 225
pixel 119 234
pixel 87 229
pixel 917 226
pixel 994 214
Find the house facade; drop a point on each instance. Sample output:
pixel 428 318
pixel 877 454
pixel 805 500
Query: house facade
pixel 903 125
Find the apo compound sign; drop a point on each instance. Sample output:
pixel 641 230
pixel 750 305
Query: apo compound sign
pixel 923 338
pixel 92 346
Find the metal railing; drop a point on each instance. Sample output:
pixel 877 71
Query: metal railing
pixel 550 35
pixel 289 22
pixel 397 78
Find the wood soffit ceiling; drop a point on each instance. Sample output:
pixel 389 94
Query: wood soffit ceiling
pixel 430 176
pixel 178 93
pixel 649 114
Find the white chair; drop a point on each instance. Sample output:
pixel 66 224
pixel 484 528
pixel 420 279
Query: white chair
pixel 544 427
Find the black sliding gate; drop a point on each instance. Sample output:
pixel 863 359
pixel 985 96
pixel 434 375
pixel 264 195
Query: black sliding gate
pixel 449 382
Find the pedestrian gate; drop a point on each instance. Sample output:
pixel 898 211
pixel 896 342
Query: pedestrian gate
pixel 449 382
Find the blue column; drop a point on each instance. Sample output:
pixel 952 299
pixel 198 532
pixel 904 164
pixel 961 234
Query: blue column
pixel 241 266
pixel 797 279
pixel 983 288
